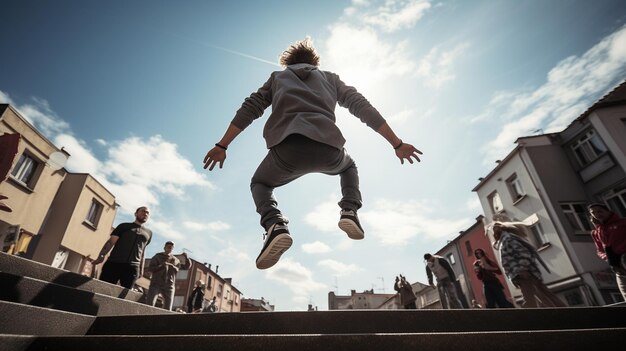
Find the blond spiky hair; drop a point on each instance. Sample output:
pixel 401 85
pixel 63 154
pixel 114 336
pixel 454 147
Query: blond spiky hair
pixel 301 51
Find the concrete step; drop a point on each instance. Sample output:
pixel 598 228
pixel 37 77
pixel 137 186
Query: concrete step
pixel 21 319
pixel 28 268
pixel 581 339
pixel 364 321
pixel 35 292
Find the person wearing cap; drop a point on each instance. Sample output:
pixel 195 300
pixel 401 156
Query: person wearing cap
pixel 609 235
pixel 164 267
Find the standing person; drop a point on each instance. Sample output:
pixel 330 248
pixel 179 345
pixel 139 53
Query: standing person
pixel 442 270
pixel 407 296
pixel 486 270
pixel 128 241
pixel 302 138
pixel 211 307
pixel 196 299
pixel 164 267
pixel 519 260
pixel 609 235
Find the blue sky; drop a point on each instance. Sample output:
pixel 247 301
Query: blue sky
pixel 138 91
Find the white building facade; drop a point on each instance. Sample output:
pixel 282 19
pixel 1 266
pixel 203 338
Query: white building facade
pixel 547 182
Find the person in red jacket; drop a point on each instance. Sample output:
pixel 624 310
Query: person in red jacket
pixel 486 270
pixel 609 236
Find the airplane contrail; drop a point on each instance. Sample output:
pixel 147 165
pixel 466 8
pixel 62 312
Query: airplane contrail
pixel 243 55
pixel 222 49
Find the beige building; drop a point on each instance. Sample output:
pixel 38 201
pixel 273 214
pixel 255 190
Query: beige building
pixel 62 218
pixel 256 305
pixel 547 181
pixel 366 300
pixel 227 296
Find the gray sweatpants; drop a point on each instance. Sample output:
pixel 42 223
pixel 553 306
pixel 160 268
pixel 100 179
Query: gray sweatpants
pixel 294 157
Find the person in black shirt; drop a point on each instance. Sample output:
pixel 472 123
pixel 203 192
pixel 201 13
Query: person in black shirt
pixel 196 299
pixel 128 241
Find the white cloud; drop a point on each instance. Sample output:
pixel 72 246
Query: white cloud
pixel 316 247
pixel 572 85
pixel 436 68
pixel 356 45
pixel 395 15
pixel 137 171
pixel 339 268
pixel 392 222
pixel 164 229
pixel 215 226
pixel 5 98
pixel 154 165
pixel 296 277
pixel 43 118
pixel 232 253
pixel 390 16
pixel 81 158
pixel 325 216
pixel 363 58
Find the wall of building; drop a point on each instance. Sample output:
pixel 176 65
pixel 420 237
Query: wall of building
pixel 477 239
pixel 81 237
pixel 30 204
pixel 610 123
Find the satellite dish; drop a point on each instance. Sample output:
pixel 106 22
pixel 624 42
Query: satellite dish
pixel 57 160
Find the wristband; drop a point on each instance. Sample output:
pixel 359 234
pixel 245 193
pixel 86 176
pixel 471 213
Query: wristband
pixel 221 146
pixel 397 147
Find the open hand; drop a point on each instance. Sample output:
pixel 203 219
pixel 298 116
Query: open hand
pixel 214 156
pixel 408 152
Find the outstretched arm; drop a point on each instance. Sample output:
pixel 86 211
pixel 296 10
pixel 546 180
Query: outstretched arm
pixel 403 150
pixel 218 153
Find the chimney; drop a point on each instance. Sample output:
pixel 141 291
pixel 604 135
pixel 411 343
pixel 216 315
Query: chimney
pixel 216 268
pixel 209 266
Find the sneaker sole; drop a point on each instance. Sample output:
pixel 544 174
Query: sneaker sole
pixel 272 253
pixel 353 231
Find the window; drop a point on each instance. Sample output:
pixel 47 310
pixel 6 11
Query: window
pixel 182 274
pixel 451 258
pixel 588 148
pixel 468 247
pixel 515 187
pixel 495 202
pixel 617 202
pixel 24 169
pixel 538 235
pixel 577 216
pixel 573 297
pixel 208 283
pixel 95 210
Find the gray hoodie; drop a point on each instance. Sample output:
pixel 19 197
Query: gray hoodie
pixel 164 275
pixel 303 101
